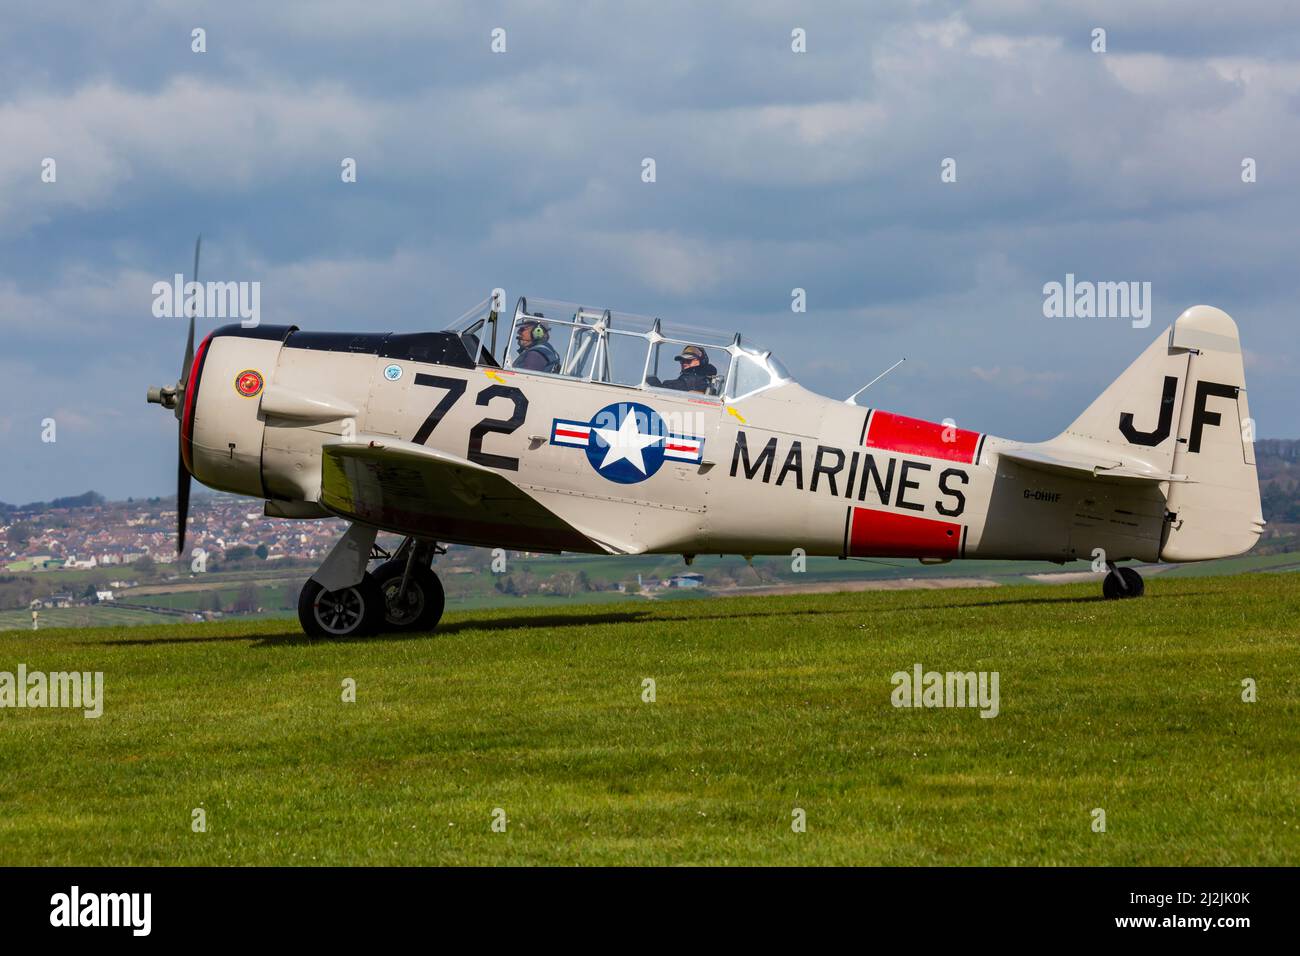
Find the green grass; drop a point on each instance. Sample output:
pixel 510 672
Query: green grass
pixel 763 705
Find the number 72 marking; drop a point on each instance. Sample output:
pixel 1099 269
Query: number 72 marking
pixel 455 389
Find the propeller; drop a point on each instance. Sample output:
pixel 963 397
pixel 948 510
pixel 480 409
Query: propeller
pixel 173 397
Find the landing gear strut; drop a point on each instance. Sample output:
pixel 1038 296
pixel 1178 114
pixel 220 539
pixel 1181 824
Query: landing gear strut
pixel 413 595
pixel 1121 583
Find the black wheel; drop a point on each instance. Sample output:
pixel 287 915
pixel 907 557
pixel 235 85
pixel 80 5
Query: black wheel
pixel 420 606
pixel 350 612
pixel 1122 583
pixel 1136 586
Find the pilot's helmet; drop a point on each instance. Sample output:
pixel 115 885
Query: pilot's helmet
pixel 533 332
pixel 692 352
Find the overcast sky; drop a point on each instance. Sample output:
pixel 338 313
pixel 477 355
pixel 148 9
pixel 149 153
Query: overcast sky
pixel 523 169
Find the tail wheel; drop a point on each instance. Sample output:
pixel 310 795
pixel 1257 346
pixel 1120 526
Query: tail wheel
pixel 420 606
pixel 1122 583
pixel 349 612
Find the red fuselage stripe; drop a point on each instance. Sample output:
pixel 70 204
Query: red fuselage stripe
pixel 191 402
pixel 915 436
pixel 886 534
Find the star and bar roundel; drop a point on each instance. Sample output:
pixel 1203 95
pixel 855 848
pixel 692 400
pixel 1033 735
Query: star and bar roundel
pixel 627 442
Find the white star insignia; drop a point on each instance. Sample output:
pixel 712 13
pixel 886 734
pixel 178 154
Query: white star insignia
pixel 626 442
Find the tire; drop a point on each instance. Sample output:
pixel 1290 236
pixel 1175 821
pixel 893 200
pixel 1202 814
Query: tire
pixel 357 611
pixel 424 598
pixel 1122 583
pixel 1136 586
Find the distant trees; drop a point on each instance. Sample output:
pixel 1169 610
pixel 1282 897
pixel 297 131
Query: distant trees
pixel 559 583
pixel 564 583
pixel 1281 502
pixel 517 583
pixel 17 592
pixel 91 499
pixel 246 600
pixel 20 534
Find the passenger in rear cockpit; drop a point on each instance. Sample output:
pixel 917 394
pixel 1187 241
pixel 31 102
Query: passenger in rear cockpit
pixel 696 373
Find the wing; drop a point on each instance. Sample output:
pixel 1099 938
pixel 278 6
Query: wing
pixel 1102 465
pixel 403 486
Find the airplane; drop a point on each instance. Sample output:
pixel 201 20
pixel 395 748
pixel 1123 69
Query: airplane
pixel 568 432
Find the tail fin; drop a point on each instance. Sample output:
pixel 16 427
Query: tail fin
pixel 1181 409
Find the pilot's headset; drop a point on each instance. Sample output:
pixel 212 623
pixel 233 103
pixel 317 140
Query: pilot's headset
pixel 535 332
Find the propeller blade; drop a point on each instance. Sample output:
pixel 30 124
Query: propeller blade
pixel 189 340
pixel 182 503
pixel 182 473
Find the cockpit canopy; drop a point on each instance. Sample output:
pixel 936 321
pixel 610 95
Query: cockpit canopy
pixel 568 340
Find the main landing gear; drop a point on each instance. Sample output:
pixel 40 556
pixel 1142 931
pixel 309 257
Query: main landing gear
pixel 343 599
pixel 413 595
pixel 1121 583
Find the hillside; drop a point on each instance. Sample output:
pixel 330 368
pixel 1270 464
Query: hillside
pixel 1278 463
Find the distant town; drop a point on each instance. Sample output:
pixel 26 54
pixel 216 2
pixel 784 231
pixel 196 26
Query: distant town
pixel 85 551
pixel 88 532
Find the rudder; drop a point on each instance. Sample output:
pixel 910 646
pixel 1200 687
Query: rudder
pixel 1216 513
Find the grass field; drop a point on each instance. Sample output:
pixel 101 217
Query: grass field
pixel 763 705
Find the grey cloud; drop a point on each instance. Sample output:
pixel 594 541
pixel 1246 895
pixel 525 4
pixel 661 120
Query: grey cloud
pixel 775 170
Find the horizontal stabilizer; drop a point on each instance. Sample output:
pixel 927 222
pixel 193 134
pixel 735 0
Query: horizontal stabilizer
pixel 1068 461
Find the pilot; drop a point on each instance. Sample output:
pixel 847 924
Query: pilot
pixel 535 352
pixel 696 373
